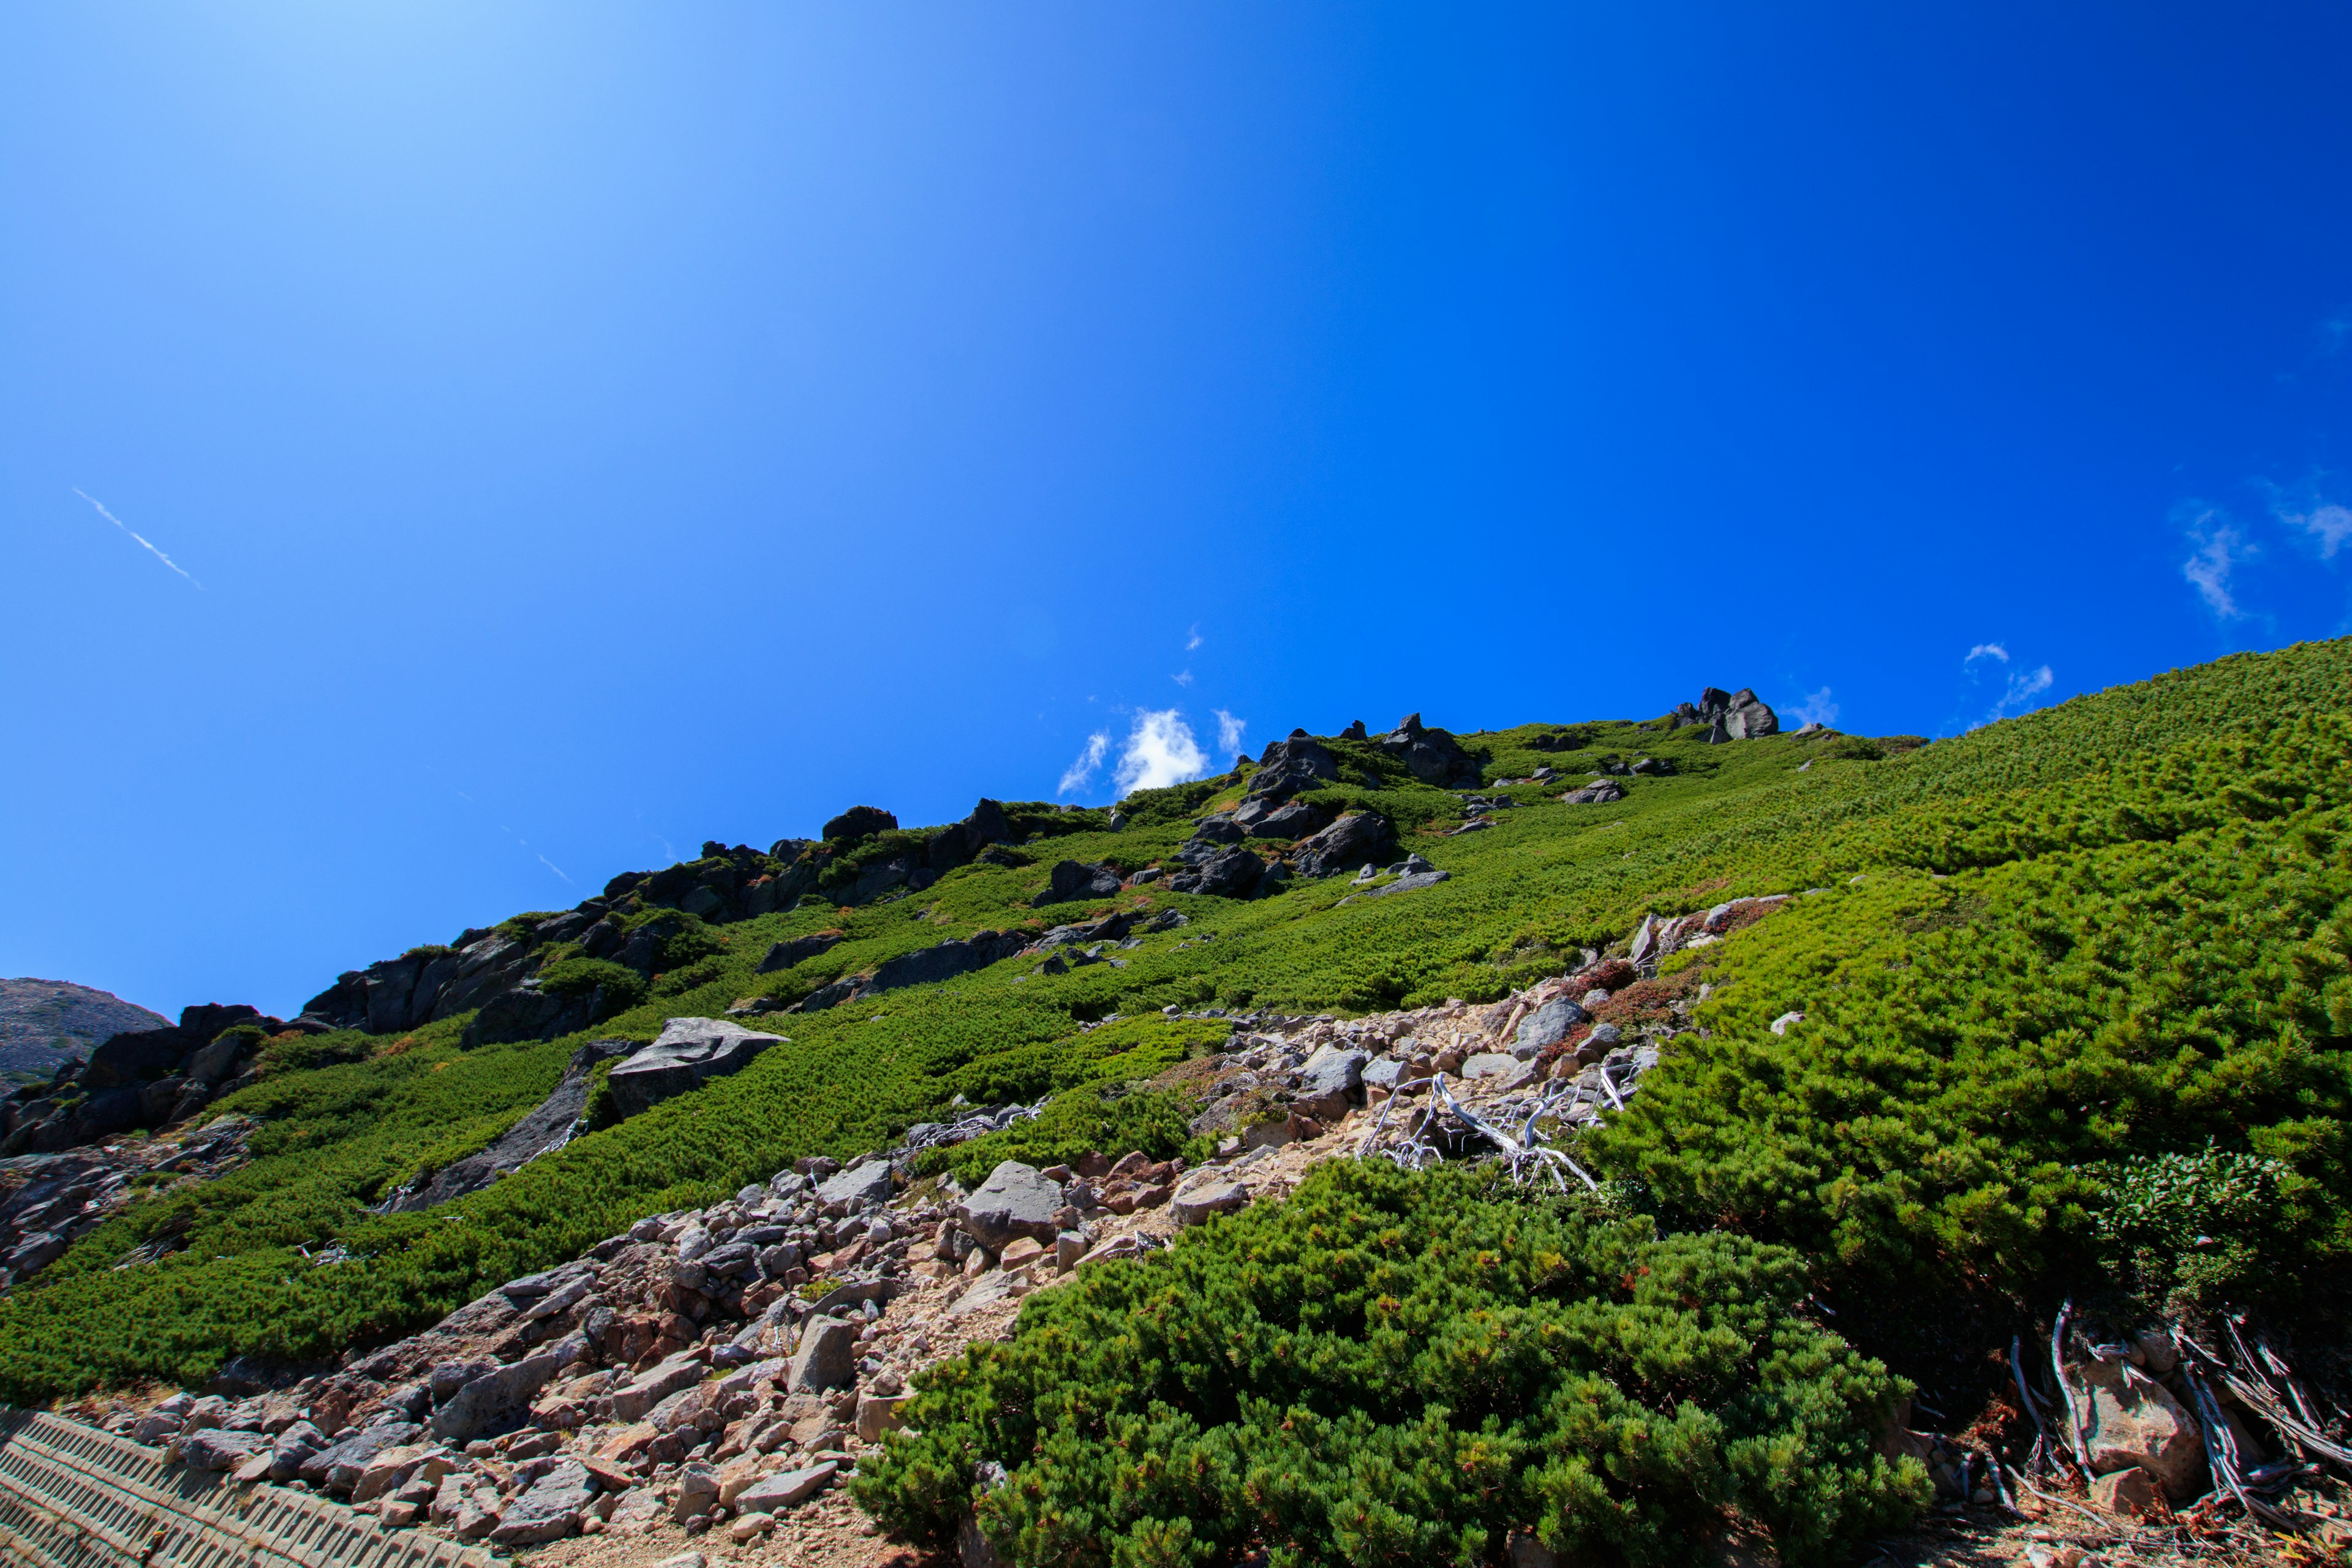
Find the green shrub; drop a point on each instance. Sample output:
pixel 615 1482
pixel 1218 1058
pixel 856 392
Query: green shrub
pixel 2193 1232
pixel 1396 1369
pixel 624 986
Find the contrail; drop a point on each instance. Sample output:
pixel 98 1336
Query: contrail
pixel 128 528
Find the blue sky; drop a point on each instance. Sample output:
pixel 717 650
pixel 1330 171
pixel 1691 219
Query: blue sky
pixel 561 435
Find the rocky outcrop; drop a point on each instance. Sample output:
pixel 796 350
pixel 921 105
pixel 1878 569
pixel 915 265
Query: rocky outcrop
pixel 45 1024
pixel 1738 715
pixel 688 1053
pixel 859 822
pixel 1361 838
pixel 1432 756
pixel 800 949
pixel 1075 880
pixel 548 1128
pixel 928 965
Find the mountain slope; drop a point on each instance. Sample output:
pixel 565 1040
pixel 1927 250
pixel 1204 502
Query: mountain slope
pixel 44 1023
pixel 2112 929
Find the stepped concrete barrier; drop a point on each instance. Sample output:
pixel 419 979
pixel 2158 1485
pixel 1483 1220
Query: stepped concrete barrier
pixel 74 1497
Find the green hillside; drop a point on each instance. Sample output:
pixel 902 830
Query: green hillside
pixel 2115 931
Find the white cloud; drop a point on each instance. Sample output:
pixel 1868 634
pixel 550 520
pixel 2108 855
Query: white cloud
pixel 1194 637
pixel 1229 731
pixel 1985 650
pixel 1160 751
pixel 2220 548
pixel 1817 709
pixel 1082 772
pixel 1182 677
pixel 2024 686
pixel 127 529
pixel 2327 522
pixel 552 866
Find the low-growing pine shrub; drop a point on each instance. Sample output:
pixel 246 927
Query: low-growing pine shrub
pixel 1401 1369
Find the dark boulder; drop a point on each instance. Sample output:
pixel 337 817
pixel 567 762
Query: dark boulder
pixel 944 961
pixel 1300 754
pixel 136 1057
pixel 1366 838
pixel 390 987
pixel 527 1013
pixel 1432 756
pixel 1297 820
pixel 688 1053
pixel 961 842
pixel 1233 873
pixel 643 950
pixel 1075 880
pixel 202 1024
pixel 800 949
pixel 1219 830
pixel 857 823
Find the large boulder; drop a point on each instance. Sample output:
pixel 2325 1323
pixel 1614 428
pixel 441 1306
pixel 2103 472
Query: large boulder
pixel 1547 1024
pixel 827 1357
pixel 1015 1201
pixel 1329 1082
pixel 1364 838
pixel 1432 756
pixel 860 1186
pixel 1073 880
pixel 1296 819
pixel 859 822
pixel 959 842
pixel 339 1467
pixel 549 1509
pixel 655 1383
pixel 688 1053
pixel 495 1402
pixel 946 959
pixel 1231 873
pixel 527 1012
pixel 1738 715
pixel 784 1488
pixel 215 1449
pixel 137 1056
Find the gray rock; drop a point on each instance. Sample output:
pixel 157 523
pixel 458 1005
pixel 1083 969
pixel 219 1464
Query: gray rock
pixel 495 1402
pixel 1329 1082
pixel 1297 820
pixel 1218 830
pixel 946 959
pixel 34 1253
pixel 784 1489
pixel 336 1469
pixel 863 1183
pixel 217 1449
pixel 784 955
pixel 688 1053
pixel 1363 837
pixel 1015 1201
pixel 293 1446
pixel 1411 882
pixel 655 1383
pixel 1233 873
pixel 1386 1072
pixel 217 1062
pixel 1547 1024
pixel 549 1509
pixel 1490 1064
pixel 1073 880
pixel 827 1357
pixel 1210 1198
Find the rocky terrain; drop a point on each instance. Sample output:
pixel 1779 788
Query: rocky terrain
pixel 46 1023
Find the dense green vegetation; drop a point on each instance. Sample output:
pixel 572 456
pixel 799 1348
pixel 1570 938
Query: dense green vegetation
pixel 2077 992
pixel 1397 1370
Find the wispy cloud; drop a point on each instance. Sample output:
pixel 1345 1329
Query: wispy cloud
pixel 1160 751
pixel 1192 639
pixel 1229 730
pixel 128 529
pixel 1081 773
pixel 1182 677
pixel 2024 686
pixel 2326 522
pixel 1985 650
pixel 552 866
pixel 1817 707
pixel 2220 548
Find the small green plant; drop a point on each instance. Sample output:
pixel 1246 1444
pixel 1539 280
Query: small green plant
pixel 2191 1232
pixel 623 987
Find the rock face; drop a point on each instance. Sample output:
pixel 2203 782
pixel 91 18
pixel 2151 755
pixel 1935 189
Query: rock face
pixel 45 1024
pixel 495 1400
pixel 858 824
pixel 1073 880
pixel 1432 756
pixel 1015 1201
pixel 827 1357
pixel 545 1129
pixel 2137 1422
pixel 1289 765
pixel 1229 873
pixel 784 955
pixel 1738 715
pixel 861 1186
pixel 549 1509
pixel 1363 839
pixel 688 1053
pixel 943 960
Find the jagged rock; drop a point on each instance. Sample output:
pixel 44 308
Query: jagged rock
pixel 549 1509
pixel 496 1400
pixel 784 955
pixel 1432 756
pixel 827 1357
pixel 2130 1492
pixel 295 1444
pixel 1297 820
pixel 1603 793
pixel 1233 873
pixel 1218 830
pixel 860 1186
pixel 688 1053
pixel 1546 1025
pixel 1363 839
pixel 1016 1200
pixel 1073 880
pixel 527 1012
pixel 336 1469
pixel 946 959
pixel 655 1383
pixel 964 841
pixel 859 822
pixel 215 1449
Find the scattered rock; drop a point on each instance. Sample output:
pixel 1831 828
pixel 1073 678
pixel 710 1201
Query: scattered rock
pixel 1210 1198
pixel 1075 880
pixel 1016 1200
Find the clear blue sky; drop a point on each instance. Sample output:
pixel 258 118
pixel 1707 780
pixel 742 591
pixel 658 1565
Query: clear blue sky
pixel 586 430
